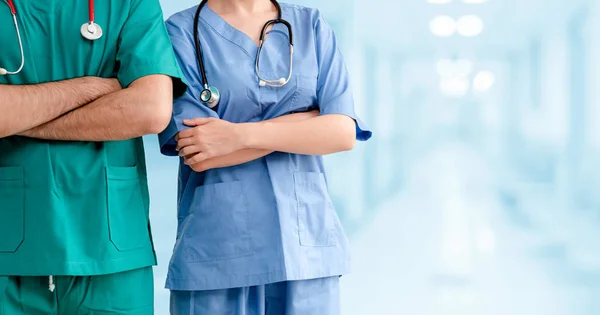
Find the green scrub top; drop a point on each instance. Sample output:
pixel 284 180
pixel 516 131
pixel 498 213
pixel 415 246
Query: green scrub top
pixel 78 208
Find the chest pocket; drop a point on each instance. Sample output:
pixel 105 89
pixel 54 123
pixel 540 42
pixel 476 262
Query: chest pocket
pixel 305 94
pixel 298 95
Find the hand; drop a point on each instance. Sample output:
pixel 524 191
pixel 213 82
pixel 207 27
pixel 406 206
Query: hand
pixel 199 167
pixel 208 138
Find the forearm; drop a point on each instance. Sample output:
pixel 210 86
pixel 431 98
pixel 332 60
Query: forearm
pixel 247 155
pixel 122 115
pixel 236 158
pixel 23 107
pixel 316 136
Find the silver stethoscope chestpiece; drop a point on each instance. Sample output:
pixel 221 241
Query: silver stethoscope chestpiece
pixel 91 31
pixel 210 96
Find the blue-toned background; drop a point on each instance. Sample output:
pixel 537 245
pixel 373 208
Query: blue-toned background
pixel 480 192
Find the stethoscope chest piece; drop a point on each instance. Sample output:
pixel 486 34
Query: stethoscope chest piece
pixel 91 31
pixel 210 96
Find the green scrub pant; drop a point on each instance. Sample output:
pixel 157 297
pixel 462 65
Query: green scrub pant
pixel 126 293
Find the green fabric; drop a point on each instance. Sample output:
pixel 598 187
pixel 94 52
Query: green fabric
pixel 78 208
pixel 126 293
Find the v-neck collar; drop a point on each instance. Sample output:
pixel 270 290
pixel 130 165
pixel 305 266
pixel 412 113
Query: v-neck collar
pixel 233 34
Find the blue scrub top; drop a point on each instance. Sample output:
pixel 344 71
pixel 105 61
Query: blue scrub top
pixel 271 219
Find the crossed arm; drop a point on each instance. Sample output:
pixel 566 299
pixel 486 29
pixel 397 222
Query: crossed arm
pixel 27 106
pixel 86 109
pixel 243 155
pixel 214 143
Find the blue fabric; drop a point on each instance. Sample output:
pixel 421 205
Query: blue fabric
pixel 306 297
pixel 272 219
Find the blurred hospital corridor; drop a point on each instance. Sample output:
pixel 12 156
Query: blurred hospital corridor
pixel 449 244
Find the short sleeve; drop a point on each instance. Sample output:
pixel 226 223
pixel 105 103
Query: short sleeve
pixel 144 46
pixel 333 85
pixel 188 106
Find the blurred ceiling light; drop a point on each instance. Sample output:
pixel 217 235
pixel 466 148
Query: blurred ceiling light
pixel 483 81
pixel 457 86
pixel 469 25
pixel 440 1
pixel 442 26
pixel 475 1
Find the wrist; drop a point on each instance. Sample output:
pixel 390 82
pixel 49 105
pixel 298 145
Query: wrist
pixel 249 134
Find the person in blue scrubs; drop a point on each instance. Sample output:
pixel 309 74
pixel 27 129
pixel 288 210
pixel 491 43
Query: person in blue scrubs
pixel 257 230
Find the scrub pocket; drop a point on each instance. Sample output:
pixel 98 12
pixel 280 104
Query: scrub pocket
pixel 217 228
pixel 316 213
pixel 127 215
pixel 12 208
pixel 305 95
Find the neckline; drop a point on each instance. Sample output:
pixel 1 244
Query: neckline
pixel 234 35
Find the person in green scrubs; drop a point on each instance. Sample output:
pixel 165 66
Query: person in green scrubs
pixel 74 221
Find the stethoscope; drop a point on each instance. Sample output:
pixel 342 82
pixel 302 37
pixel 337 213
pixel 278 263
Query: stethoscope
pixel 210 95
pixel 90 31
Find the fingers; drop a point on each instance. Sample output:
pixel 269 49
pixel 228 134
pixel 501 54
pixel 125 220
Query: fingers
pixel 200 157
pixel 197 121
pixel 199 167
pixel 190 150
pixel 186 133
pixel 182 143
pixel 190 132
pixel 315 113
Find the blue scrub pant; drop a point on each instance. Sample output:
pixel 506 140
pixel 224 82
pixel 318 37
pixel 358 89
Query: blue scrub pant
pixel 305 297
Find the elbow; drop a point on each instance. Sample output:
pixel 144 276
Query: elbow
pixel 158 117
pixel 347 134
pixel 155 108
pixel 348 142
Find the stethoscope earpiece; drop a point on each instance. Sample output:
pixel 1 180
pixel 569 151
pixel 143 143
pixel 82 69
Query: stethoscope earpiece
pixel 3 71
pixel 273 83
